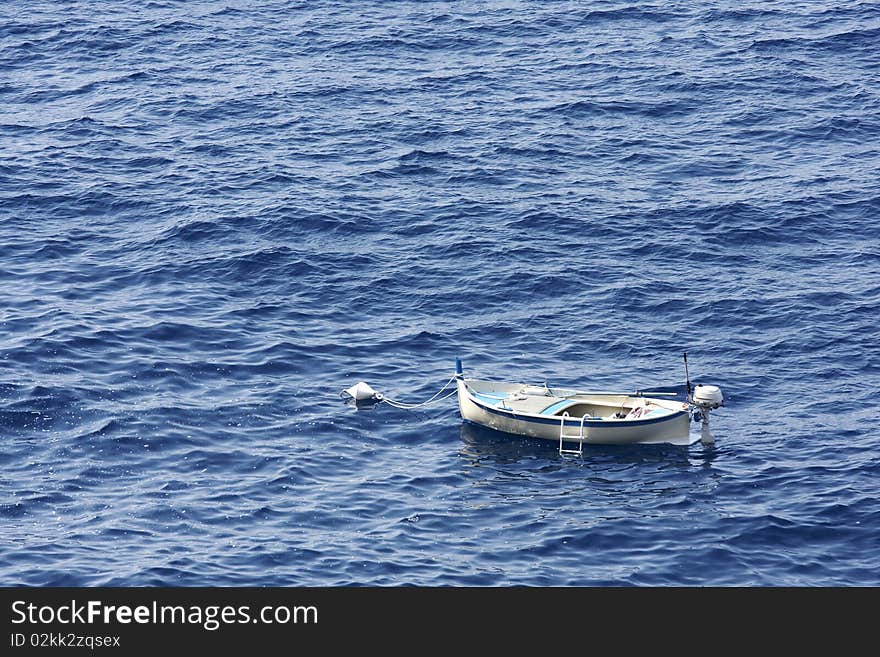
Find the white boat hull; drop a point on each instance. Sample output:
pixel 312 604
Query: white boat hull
pixel 511 414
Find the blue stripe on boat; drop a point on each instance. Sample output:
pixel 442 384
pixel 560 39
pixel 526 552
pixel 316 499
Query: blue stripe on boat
pixel 489 399
pixel 557 406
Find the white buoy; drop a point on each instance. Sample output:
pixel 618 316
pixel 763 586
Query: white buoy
pixel 362 392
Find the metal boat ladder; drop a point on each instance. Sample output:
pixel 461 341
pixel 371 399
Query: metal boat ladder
pixel 579 437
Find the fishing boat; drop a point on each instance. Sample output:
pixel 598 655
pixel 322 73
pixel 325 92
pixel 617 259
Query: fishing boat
pixel 576 418
pixel 573 418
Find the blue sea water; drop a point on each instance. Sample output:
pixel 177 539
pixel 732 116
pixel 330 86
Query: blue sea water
pixel 216 215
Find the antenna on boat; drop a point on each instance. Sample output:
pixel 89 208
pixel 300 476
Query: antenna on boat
pixel 687 376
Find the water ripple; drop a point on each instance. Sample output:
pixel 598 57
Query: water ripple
pixel 213 219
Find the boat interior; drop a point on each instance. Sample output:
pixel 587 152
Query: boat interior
pixel 540 400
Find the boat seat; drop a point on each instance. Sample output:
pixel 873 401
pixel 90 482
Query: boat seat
pixel 555 407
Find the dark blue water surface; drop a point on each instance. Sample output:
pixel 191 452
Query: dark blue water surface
pixel 216 215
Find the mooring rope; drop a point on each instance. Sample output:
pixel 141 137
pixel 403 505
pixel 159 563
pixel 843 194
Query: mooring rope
pixel 407 407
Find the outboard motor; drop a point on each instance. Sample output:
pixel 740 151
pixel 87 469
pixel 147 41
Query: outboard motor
pixel 706 398
pixel 709 397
